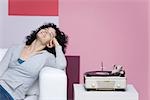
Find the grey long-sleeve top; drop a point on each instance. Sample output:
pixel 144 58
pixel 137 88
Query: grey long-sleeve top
pixel 17 78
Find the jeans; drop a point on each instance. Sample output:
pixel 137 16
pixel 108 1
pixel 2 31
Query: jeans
pixel 4 95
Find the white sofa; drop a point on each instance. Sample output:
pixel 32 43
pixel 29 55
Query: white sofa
pixel 51 85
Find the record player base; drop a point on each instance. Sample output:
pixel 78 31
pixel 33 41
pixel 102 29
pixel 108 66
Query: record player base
pixel 81 94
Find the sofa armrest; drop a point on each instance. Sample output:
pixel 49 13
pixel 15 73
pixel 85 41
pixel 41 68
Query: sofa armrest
pixel 52 84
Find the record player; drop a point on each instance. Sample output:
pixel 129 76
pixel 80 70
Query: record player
pixel 106 80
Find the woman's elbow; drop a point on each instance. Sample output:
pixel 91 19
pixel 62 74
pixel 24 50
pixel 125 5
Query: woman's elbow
pixel 62 65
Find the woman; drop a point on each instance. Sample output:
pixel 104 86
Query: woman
pixel 22 64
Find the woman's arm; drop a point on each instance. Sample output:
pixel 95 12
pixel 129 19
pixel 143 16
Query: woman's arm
pixel 60 60
pixel 5 61
pixel 57 62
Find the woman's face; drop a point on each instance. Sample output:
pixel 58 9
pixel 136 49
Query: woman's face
pixel 46 35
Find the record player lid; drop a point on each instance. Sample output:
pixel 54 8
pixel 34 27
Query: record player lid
pixel 101 73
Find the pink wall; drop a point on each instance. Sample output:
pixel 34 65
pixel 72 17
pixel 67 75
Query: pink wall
pixel 115 32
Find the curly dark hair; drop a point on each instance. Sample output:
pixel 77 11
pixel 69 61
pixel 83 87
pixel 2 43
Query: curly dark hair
pixel 60 36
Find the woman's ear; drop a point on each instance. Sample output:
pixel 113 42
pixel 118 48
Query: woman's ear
pixel 50 44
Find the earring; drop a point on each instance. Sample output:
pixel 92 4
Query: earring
pixel 50 44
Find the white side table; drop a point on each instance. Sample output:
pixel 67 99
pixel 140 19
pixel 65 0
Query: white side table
pixel 81 94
